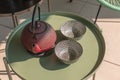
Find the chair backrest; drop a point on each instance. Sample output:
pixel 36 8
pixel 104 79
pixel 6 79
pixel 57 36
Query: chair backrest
pixel 113 4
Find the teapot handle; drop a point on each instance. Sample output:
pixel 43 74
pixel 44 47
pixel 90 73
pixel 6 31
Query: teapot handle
pixel 37 6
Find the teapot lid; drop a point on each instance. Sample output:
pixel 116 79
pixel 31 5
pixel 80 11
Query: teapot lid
pixel 39 27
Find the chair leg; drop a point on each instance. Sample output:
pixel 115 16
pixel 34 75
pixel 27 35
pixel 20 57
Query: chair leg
pixel 94 76
pixel 70 0
pixel 14 19
pixel 7 68
pixel 48 4
pixel 97 14
pixel 49 8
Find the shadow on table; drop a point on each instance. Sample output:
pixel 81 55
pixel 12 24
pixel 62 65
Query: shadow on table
pixel 51 62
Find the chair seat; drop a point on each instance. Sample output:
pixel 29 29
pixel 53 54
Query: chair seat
pixel 113 4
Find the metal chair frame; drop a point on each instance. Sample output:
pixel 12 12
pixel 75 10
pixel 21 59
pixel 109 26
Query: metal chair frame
pixel 7 68
pixel 15 19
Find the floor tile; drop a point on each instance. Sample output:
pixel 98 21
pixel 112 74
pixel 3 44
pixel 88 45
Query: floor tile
pixel 111 32
pixel 93 2
pixel 74 7
pixel 4 32
pixel 2 67
pixel 91 78
pixel 89 12
pixel 4 77
pixel 108 72
pixel 108 13
pixel 15 77
pixel 6 21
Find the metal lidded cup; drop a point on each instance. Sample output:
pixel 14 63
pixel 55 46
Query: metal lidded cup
pixel 68 51
pixel 73 29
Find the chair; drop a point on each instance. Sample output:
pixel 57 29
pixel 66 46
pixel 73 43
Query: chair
pixel 112 4
pixel 14 16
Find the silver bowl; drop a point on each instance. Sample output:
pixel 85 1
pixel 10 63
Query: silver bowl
pixel 73 29
pixel 68 51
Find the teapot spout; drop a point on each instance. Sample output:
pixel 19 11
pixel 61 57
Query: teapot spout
pixel 36 49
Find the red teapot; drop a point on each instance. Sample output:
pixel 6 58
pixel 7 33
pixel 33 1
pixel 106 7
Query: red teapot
pixel 38 36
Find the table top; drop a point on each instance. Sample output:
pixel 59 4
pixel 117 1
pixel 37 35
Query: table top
pixel 30 67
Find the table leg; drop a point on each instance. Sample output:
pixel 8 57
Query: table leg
pixel 7 68
pixel 70 0
pixel 97 14
pixel 14 19
pixel 94 76
pixel 49 8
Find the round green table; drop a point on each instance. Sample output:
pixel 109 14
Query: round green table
pixel 30 67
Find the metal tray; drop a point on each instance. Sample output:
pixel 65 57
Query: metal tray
pixel 30 67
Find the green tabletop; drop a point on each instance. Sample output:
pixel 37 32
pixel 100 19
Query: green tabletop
pixel 30 67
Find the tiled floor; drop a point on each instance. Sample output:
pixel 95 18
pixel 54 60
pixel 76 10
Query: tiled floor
pixel 108 22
